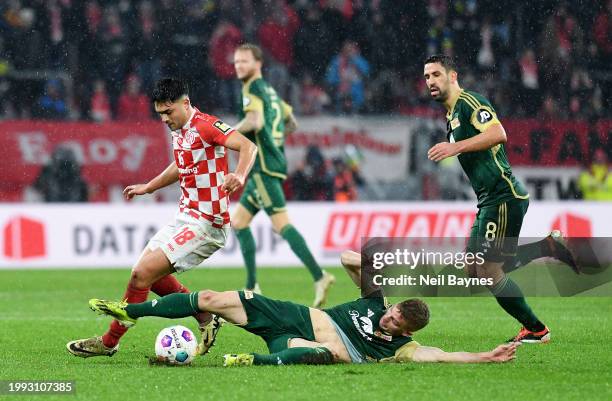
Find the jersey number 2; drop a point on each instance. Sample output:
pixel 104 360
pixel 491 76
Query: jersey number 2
pixel 276 133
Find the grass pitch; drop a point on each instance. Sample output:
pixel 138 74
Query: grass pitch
pixel 41 310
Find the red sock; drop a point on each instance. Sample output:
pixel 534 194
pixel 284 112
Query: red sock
pixel 168 285
pixel 117 330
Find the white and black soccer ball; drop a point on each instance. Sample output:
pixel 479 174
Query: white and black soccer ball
pixel 176 345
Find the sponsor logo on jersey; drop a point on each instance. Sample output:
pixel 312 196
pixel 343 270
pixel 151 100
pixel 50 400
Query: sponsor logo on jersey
pixel 385 337
pixel 455 123
pixel 221 126
pixel 484 116
pixel 191 170
pixel 363 324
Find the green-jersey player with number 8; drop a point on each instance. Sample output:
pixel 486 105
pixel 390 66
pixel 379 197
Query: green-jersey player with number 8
pixel 265 119
pixel 476 136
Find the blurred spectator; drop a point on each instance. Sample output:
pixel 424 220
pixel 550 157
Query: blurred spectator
pixel 602 33
pixel 596 182
pixel 113 52
pixel 313 99
pixel 345 189
pixel 225 39
pixel 311 181
pixel 549 108
pixel 60 180
pixel 530 81
pixel 147 49
pixel 111 39
pixel 313 41
pixel 100 110
pixel 133 104
pixel 346 74
pixel 52 105
pixel 275 36
pixel 580 92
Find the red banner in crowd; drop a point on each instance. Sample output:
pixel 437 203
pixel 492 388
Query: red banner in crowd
pixel 113 153
pixel 558 143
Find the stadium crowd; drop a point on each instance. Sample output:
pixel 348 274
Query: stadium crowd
pixel 97 59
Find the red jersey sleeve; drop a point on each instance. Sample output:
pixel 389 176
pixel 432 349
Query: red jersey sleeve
pixel 214 131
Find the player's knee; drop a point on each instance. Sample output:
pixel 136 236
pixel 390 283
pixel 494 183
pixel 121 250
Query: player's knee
pixel 239 224
pixel 347 258
pixel 140 279
pixel 207 299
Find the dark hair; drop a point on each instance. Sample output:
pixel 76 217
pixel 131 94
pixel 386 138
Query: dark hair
pixel 446 61
pixel 256 50
pixel 415 312
pixel 169 90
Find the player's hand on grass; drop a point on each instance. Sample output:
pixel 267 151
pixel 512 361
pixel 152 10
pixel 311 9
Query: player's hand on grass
pixel 232 182
pixel 504 352
pixel 442 150
pixel 137 189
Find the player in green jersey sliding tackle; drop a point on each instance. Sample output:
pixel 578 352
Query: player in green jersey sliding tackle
pixel 265 119
pixel 364 330
pixel 477 137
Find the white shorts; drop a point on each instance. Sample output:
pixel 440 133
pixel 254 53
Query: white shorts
pixel 188 241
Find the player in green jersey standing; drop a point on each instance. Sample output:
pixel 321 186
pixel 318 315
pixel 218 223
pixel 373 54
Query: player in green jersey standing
pixel 477 137
pixel 265 119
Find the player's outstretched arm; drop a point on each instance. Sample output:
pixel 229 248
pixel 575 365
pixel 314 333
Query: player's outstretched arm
pixel 247 152
pixel 502 353
pixel 168 176
pixel 252 121
pixel 290 124
pixel 492 136
pixel 352 264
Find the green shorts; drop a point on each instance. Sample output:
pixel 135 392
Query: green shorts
pixel 263 192
pixel 496 230
pixel 276 322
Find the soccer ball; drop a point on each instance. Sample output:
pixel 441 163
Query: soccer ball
pixel 176 345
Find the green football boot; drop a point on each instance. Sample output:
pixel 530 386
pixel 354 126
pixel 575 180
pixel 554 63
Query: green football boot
pixel 114 309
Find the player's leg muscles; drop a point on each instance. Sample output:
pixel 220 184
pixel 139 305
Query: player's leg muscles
pixel 498 235
pixel 150 267
pixel 298 351
pixel 174 306
pixel 241 220
pixel 282 225
pixel 226 304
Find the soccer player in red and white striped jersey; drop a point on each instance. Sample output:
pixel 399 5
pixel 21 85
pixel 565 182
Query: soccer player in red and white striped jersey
pixel 201 224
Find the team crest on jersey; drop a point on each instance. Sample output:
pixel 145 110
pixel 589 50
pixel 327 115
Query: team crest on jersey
pixel 190 136
pixel 221 126
pixel 246 101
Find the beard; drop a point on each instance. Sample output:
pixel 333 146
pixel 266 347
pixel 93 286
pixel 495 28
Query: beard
pixel 442 96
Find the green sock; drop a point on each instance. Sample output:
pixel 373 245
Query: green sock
pixel 510 297
pixel 247 247
pixel 526 253
pixel 171 306
pixel 298 355
pixel 299 247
